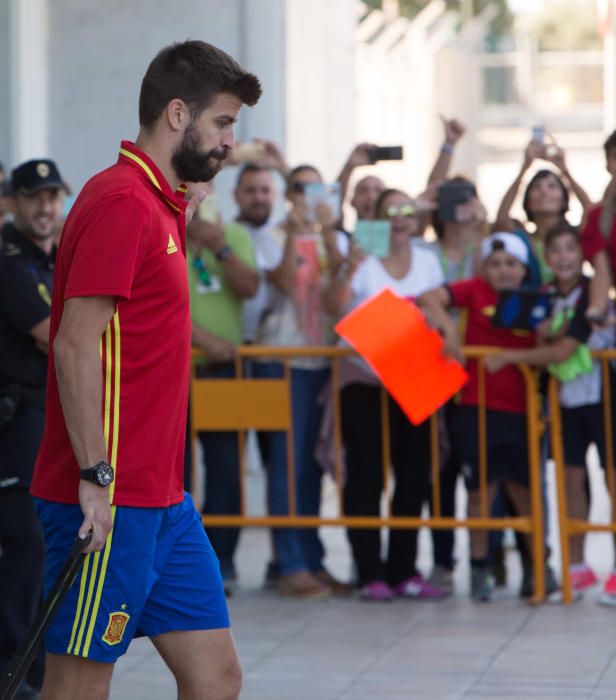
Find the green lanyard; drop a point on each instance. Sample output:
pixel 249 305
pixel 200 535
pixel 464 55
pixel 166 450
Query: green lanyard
pixel 460 266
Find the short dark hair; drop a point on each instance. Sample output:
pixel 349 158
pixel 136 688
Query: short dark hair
pixel 541 175
pixel 378 205
pixel 194 72
pixel 298 169
pixel 610 143
pixel 251 168
pixel 562 228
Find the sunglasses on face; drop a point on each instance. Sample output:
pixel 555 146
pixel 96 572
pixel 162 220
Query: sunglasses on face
pixel 298 187
pixel 202 271
pixel 407 210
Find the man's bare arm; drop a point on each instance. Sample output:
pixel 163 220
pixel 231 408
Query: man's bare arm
pixel 79 372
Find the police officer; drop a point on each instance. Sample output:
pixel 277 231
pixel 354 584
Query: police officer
pixel 27 253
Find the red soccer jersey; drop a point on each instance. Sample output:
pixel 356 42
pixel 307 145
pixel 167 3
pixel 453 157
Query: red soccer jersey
pixel 593 241
pixel 505 390
pixel 125 237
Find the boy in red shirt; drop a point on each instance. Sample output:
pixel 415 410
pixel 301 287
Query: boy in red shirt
pixel 567 356
pixel 504 266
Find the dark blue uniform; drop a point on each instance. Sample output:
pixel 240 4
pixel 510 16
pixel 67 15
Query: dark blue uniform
pixel 26 278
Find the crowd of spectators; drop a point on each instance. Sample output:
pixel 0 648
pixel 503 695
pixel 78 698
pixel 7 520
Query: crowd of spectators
pixel 285 282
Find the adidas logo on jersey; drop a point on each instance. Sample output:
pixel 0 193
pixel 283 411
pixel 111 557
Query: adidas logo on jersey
pixel 171 246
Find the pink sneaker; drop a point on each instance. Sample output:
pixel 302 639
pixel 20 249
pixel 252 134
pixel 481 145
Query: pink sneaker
pixel 376 591
pixel 418 587
pixel 582 578
pixel 608 597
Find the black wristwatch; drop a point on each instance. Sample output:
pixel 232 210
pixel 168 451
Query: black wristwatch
pixel 100 474
pixel 224 253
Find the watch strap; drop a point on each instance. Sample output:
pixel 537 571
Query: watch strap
pixel 224 253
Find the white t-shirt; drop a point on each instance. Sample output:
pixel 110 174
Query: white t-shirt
pixel 268 253
pixel 371 277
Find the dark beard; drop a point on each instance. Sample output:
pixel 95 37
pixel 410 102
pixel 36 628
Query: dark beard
pixel 257 222
pixel 191 164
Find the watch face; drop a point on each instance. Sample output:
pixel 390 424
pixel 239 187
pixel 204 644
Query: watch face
pixel 104 474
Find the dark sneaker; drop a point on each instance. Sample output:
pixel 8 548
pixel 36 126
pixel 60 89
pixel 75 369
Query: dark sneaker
pixel 528 582
pixel 272 574
pixel 482 585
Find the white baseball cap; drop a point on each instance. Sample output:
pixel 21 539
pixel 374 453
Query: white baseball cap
pixel 510 243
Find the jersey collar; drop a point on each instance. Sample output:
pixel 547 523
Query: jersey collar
pixel 129 153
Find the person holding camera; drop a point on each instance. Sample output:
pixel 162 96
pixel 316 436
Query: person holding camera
pixel 546 203
pixel 369 187
pixel 27 258
pixel 409 271
pixel 221 275
pixel 296 262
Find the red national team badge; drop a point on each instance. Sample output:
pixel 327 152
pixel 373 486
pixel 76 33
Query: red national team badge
pixel 115 628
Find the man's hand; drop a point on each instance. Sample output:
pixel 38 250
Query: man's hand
pixel 212 235
pixel 193 205
pixel 326 218
pixel 218 349
pixel 452 346
pixel 472 212
pixel 96 509
pixel 494 363
pixel 298 220
pixel 454 130
pixel 273 157
pixel 360 155
pixel 535 149
pixel 555 154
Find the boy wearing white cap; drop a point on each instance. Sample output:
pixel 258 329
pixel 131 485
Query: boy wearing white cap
pixel 566 353
pixel 504 266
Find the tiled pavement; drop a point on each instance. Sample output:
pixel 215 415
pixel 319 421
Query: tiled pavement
pixel 451 650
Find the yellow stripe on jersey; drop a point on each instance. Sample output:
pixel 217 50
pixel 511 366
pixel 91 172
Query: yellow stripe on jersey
pixel 146 168
pixel 87 612
pixel 116 401
pixel 114 462
pixel 142 164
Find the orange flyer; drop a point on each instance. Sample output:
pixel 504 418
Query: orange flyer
pixel 392 336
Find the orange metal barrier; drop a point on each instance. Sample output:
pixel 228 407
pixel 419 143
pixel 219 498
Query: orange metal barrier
pixel 569 526
pixel 265 404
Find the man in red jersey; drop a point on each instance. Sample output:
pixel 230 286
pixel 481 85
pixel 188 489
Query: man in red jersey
pixel 111 460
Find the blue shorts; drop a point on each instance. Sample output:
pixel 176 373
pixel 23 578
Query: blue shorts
pixel 157 573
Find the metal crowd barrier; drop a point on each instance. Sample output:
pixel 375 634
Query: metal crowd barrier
pixel 570 526
pixel 244 403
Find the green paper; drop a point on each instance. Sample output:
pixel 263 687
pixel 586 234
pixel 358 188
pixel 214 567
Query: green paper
pixel 373 237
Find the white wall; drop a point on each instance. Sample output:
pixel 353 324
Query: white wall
pixel 320 107
pixel 5 125
pixel 301 51
pixel 98 54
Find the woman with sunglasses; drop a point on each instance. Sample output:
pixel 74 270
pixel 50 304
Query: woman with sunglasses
pixel 409 270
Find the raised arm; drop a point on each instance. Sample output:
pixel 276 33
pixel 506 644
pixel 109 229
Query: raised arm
pixel 557 156
pixel 359 156
pixel 454 131
pixel 503 217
